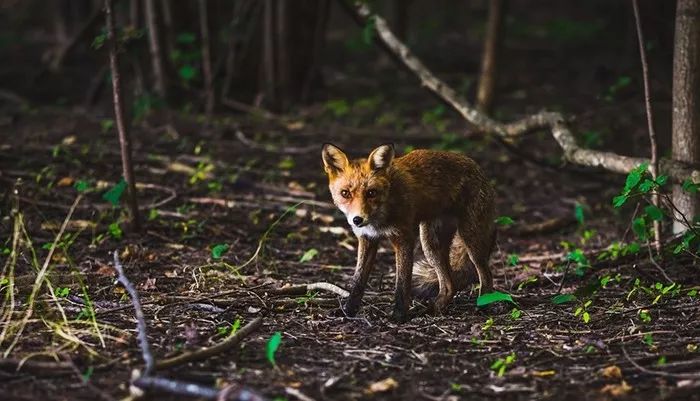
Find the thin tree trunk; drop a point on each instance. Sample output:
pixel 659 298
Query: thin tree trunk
pixel 489 61
pixel 134 13
pixel 206 58
pixel 656 201
pixel 124 136
pixel 269 59
pixel 168 25
pixel 686 102
pixel 283 62
pixel 318 45
pixel 156 49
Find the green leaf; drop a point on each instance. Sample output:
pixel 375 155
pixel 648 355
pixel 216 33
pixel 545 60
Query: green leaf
pixel 578 213
pixel 218 250
pixel 272 344
pixel 620 200
pixel 661 180
pixel 308 255
pixel 185 38
pixel 586 317
pixel 513 259
pixel 633 179
pixel 368 31
pixel 81 186
pixel 115 231
pixel 187 72
pixel 639 226
pixel 690 187
pixel 115 193
pixel 235 326
pixel 563 298
pixel 646 186
pixel 654 212
pixel 492 297
pixel 504 221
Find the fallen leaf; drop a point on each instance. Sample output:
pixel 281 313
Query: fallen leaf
pixel 382 386
pixel 616 390
pixel 106 270
pixel 544 373
pixel 336 230
pixel 65 182
pixel 69 140
pixel 612 372
pixel 324 218
pixel 295 125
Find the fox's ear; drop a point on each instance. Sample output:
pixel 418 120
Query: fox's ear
pixel 334 160
pixel 381 157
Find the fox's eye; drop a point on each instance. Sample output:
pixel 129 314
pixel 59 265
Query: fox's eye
pixel 345 193
pixel 371 193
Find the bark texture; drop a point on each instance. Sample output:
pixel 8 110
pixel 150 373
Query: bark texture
pixel 686 100
pixel 489 59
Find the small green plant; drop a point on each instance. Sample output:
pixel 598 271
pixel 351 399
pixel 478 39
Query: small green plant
pixel 513 259
pixel 582 310
pixel 487 325
pixel 515 313
pixel 308 255
pixel 271 348
pixel 500 365
pixel 563 298
pixel 504 221
pixel 229 330
pixel 114 194
pixel 645 316
pixel 338 107
pixel 115 231
pixel 218 250
pixel 493 297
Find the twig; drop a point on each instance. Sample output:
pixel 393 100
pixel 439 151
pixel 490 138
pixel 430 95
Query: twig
pixel 650 122
pixel 140 319
pixel 298 394
pixel 659 372
pixel 304 288
pixel 206 352
pixel 555 122
pixel 287 149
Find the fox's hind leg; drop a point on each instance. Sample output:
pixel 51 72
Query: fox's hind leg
pixel 436 239
pixel 479 246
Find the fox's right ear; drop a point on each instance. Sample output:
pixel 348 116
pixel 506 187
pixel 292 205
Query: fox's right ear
pixel 334 159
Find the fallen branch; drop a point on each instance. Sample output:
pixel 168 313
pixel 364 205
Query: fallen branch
pixel 146 353
pixel 206 352
pixel 553 121
pixel 144 381
pixel 692 376
pixel 305 288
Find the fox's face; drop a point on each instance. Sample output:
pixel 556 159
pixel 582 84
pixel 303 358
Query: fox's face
pixel 360 188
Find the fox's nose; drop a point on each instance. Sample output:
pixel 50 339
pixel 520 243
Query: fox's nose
pixel 357 220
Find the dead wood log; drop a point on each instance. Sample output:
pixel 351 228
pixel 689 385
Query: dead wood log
pixel 555 122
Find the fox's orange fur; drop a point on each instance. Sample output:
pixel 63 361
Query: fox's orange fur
pixel 440 198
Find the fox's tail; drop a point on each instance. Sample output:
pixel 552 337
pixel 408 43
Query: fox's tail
pixel 425 281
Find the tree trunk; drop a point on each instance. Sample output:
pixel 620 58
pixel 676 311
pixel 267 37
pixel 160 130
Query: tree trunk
pixel 291 37
pixel 489 60
pixel 122 129
pixel 686 101
pixel 156 49
pixel 206 58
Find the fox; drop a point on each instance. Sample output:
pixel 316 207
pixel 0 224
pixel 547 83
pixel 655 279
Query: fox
pixel 441 199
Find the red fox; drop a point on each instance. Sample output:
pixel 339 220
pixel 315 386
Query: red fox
pixel 442 198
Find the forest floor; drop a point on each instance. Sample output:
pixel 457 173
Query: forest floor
pixel 252 183
pixel 236 208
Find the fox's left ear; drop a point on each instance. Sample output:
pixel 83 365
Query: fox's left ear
pixel 381 157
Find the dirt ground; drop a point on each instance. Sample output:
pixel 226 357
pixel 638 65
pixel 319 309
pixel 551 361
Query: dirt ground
pixel 256 185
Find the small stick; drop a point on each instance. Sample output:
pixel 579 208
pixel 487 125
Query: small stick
pixel 659 372
pixel 206 352
pixel 140 319
pixel 304 288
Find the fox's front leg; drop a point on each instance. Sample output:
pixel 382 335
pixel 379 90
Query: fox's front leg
pixel 366 251
pixel 403 248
